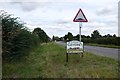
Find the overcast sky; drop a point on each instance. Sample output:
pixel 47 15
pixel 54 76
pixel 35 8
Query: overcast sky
pixel 55 17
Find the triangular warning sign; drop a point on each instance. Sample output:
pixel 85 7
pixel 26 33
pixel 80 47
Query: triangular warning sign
pixel 80 17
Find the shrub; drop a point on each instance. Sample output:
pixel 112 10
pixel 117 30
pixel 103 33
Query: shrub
pixel 16 39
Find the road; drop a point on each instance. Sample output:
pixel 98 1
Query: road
pixel 102 51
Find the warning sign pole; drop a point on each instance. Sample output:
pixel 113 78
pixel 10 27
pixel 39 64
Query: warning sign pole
pixel 80 26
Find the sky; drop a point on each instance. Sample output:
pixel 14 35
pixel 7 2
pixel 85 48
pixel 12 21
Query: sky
pixel 55 17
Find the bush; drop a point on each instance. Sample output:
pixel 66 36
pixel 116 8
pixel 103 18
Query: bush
pixel 16 39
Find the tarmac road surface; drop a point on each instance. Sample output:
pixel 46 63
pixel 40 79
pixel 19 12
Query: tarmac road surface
pixel 102 51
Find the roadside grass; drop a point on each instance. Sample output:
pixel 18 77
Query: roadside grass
pixel 103 45
pixel 49 61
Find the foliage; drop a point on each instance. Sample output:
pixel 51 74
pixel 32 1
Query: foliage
pixel 95 34
pixel 53 38
pixel 43 37
pixel 56 38
pixel 68 37
pixel 95 38
pixel 16 38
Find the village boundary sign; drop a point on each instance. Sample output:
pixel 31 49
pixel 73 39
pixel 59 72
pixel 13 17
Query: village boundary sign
pixel 74 47
pixel 77 46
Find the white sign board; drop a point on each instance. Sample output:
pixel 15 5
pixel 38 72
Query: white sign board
pixel 74 47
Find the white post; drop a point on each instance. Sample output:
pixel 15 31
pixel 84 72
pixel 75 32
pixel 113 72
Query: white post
pixel 80 25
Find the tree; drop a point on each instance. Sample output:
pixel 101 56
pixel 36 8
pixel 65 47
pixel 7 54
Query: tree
pixel 95 34
pixel 53 38
pixel 114 35
pixel 88 36
pixel 16 39
pixel 10 29
pixel 41 34
pixel 76 37
pixel 65 37
pixel 56 38
pixel 70 36
pixel 61 38
pixel 108 35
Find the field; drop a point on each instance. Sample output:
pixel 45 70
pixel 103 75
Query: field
pixel 49 61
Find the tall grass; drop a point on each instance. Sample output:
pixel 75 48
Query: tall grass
pixel 49 61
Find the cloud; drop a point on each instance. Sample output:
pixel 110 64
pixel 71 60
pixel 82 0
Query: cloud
pixel 119 19
pixel 45 1
pixel 57 18
pixel 103 27
pixel 109 10
pixel 61 22
pixel 27 6
pixel 30 6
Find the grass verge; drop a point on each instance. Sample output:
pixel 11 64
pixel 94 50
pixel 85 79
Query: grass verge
pixel 102 45
pixel 49 61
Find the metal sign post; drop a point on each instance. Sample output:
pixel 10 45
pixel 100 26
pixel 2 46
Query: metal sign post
pixel 80 26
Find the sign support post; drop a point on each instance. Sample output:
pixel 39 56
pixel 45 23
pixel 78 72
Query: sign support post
pixel 80 26
pixel 66 57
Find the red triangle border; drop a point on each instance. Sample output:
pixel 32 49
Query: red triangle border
pixel 80 20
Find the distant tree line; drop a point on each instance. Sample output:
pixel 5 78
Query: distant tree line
pixel 94 38
pixel 17 40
